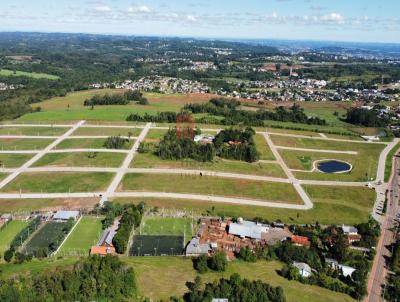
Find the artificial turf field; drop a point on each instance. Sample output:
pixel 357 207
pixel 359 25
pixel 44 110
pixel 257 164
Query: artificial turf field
pixel 168 226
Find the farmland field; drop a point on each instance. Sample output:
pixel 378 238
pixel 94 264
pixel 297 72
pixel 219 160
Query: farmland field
pixel 81 159
pixel 13 160
pixel 210 186
pixel 59 182
pixel 8 233
pixel 85 235
pixel 149 160
pixel 23 144
pixel 49 233
pixel 88 143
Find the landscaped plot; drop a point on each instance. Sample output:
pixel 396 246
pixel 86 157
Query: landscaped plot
pixel 45 238
pixel 29 205
pixel 95 131
pixel 263 148
pixel 155 245
pixel 13 160
pixel 61 182
pixel 364 164
pixel 168 226
pixel 161 277
pixel 332 205
pixel 149 160
pixel 8 233
pixel 208 185
pixel 84 235
pixel 23 144
pixel 88 143
pixel 44 131
pixel 81 159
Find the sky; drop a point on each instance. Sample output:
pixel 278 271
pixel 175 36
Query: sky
pixel 333 20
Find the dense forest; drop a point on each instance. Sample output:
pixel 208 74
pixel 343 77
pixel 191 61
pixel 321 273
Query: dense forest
pixel 366 117
pixel 117 99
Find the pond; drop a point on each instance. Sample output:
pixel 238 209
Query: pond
pixel 333 166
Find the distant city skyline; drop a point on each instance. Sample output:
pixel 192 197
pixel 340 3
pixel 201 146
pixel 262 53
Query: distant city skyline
pixel 341 20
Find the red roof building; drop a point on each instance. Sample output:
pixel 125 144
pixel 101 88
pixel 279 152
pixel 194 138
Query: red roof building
pixel 300 240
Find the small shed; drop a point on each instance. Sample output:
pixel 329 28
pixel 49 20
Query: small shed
pixel 65 215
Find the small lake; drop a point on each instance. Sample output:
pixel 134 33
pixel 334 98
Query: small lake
pixel 333 166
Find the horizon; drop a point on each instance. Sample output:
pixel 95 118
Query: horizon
pixel 303 20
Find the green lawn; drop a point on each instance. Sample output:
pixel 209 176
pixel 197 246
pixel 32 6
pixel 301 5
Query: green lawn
pixel 389 161
pixel 88 143
pixel 162 277
pixel 332 205
pixel 33 75
pixel 81 159
pixel 149 160
pixel 86 234
pixel 279 192
pixel 107 131
pixel 44 236
pixel 168 226
pixel 13 160
pixel 8 233
pixel 263 148
pixel 40 131
pixel 23 144
pixel 59 182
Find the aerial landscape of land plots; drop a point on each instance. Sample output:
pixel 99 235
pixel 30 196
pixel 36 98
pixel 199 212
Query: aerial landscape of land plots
pixel 53 157
pixel 60 158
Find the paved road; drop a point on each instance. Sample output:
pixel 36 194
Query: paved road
pixel 317 150
pixel 125 165
pixel 379 271
pixel 39 155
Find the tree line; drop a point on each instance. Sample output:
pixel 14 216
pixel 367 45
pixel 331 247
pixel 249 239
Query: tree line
pixel 117 99
pixel 91 279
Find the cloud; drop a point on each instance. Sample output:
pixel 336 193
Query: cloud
pixel 102 9
pixel 142 9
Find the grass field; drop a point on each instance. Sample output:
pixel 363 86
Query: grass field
pixel 107 131
pixel 56 109
pixel 40 131
pixel 85 235
pixel 347 205
pixel 162 277
pixel 81 159
pixel 8 233
pixel 44 236
pixel 29 205
pixel 23 144
pixel 33 75
pixel 263 148
pixel 211 186
pixel 149 160
pixel 13 160
pixel 59 182
pixel 88 143
pixel 389 161
pixel 168 226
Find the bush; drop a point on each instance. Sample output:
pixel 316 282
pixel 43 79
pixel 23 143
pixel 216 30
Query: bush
pixel 115 142
pixel 218 262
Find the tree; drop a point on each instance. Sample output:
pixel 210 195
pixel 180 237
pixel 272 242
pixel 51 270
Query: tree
pixel 8 255
pixel 218 262
pixel 200 263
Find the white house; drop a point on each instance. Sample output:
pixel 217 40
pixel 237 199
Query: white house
pixel 349 230
pixel 345 270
